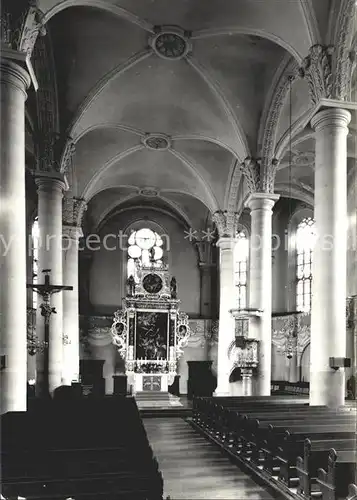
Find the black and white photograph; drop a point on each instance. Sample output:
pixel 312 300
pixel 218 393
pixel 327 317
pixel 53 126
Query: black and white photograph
pixel 178 250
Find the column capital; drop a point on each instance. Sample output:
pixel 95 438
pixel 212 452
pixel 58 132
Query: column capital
pixel 12 73
pixel 328 68
pixel 226 223
pixel 49 182
pixel 259 174
pixel 21 23
pixel 331 117
pixel 261 201
pixel 73 211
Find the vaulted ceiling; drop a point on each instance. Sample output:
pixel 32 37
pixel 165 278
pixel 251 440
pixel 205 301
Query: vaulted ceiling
pixel 165 120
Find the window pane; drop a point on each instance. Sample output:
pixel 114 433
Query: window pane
pixel 241 254
pixel 159 241
pixel 158 253
pixel 145 257
pixel 305 238
pixel 134 251
pixel 145 238
pixel 131 239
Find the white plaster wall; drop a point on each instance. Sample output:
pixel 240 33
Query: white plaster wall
pixel 107 279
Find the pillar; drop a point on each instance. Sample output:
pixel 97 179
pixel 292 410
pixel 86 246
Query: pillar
pixel 50 193
pixel 70 370
pixel 206 289
pixel 328 308
pixel 226 320
pixel 14 82
pixel 260 283
pixel 247 376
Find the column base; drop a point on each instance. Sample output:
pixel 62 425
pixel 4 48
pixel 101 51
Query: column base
pixel 327 388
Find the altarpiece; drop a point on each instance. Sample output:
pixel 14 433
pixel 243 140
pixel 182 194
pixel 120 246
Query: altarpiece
pixel 150 331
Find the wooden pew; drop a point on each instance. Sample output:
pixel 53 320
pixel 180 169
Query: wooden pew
pixel 269 431
pixel 265 428
pixel 82 450
pixel 341 472
pixel 288 451
pixel 315 457
pixel 352 492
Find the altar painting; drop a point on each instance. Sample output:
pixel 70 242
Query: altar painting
pixel 151 335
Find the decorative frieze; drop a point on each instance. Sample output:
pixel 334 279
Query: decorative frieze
pixel 226 223
pixel 345 54
pixel 21 23
pixel 46 95
pixel 291 72
pixel 260 176
pixel 351 313
pixel 73 211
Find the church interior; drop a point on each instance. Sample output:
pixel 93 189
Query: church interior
pixel 178 267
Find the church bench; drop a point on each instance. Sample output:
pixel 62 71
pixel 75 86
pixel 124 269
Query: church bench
pixel 204 405
pixel 341 472
pixel 216 414
pixel 352 492
pixel 128 485
pixel 290 448
pixel 60 441
pixel 316 456
pixel 264 440
pixel 72 462
pixel 243 425
pixel 232 418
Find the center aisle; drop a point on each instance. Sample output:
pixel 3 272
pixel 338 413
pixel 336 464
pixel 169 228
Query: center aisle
pixel 193 468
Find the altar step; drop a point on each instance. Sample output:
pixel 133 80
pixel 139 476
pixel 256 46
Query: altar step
pixel 159 400
pixel 152 396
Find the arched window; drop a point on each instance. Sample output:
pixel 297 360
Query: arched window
pixel 241 254
pixel 145 248
pixel 305 241
pixel 35 242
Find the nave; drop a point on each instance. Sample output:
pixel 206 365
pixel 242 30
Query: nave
pixel 193 468
pixel 258 448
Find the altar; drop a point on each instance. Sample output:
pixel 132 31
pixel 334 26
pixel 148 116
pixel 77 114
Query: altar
pixel 150 331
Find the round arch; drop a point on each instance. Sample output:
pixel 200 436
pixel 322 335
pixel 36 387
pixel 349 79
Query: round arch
pixel 305 364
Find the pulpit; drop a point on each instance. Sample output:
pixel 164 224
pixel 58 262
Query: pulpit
pixel 151 331
pixel 245 350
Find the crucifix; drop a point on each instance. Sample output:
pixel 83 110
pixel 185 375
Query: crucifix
pixel 46 290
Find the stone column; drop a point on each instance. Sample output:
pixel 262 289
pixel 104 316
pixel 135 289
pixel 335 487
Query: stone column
pixel 226 321
pixel 14 82
pixel 206 289
pixel 70 371
pixel 72 216
pixel 50 193
pixel 247 376
pixel 260 283
pixel 328 310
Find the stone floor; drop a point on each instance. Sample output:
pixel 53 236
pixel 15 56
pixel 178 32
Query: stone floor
pixel 193 468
